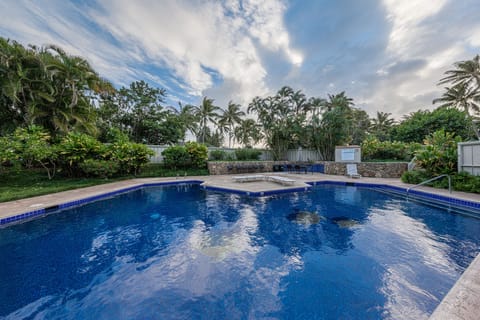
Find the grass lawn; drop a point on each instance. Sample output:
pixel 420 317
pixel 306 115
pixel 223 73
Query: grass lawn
pixel 25 183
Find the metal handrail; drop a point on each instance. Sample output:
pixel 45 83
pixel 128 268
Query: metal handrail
pixel 412 164
pixel 433 179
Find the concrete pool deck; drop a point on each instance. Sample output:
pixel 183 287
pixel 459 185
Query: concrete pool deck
pixel 462 302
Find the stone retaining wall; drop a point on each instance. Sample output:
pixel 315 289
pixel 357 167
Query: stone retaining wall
pixel 366 169
pixel 369 169
pixel 234 167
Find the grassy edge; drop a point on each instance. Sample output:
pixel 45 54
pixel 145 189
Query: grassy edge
pixel 21 184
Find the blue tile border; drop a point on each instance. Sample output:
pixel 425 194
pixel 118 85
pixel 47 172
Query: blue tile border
pixel 418 193
pixel 47 210
pixel 258 193
pixel 23 216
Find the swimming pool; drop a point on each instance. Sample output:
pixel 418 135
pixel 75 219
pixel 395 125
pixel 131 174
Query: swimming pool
pixel 180 252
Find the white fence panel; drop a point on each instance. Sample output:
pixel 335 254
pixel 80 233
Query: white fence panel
pixel 469 157
pixel 158 158
pixel 303 155
pixel 266 155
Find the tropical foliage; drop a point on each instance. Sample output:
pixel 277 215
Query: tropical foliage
pixel 464 92
pixel 374 149
pixel 217 155
pixel 418 125
pixel 381 125
pixel 47 87
pixel 248 133
pixel 32 146
pixel 192 154
pixel 247 154
pixel 231 117
pixel 439 156
pixel 76 155
pixel 58 114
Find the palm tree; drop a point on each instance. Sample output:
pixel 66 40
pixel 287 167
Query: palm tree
pixel 74 80
pixel 248 132
pixel 466 72
pixel 315 105
pixel 381 125
pixel 75 72
pixel 465 91
pixel 462 97
pixel 230 117
pixel 25 82
pixel 206 113
pixel 302 105
pixel 188 118
pixel 338 100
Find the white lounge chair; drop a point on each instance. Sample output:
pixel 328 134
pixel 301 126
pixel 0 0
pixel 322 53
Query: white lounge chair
pixel 251 178
pixel 281 180
pixel 352 171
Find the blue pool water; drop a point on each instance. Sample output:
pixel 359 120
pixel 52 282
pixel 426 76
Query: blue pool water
pixel 180 252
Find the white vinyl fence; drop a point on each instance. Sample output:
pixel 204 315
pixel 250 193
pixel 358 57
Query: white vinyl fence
pixel 469 157
pixel 158 158
pixel 301 155
pixel 291 155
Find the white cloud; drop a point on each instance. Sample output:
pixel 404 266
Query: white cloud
pixel 474 39
pixel 414 36
pixel 406 18
pixel 267 26
pixel 60 23
pixel 190 37
pixel 220 48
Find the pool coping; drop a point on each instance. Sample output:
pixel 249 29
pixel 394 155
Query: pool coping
pixel 238 189
pixel 37 213
pixel 461 302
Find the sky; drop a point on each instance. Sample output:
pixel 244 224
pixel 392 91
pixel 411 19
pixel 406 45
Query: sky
pixel 388 55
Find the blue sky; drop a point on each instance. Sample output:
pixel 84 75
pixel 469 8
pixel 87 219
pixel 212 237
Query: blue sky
pixel 387 55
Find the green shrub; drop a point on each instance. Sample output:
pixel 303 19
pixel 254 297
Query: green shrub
pixel 75 148
pixel 230 157
pixel 159 170
pixel 439 156
pixel 198 154
pixel 462 181
pixel 414 177
pixel 176 157
pixel 32 146
pixel 247 154
pixel 374 149
pixel 218 155
pixel 466 182
pixel 7 152
pixel 99 168
pixel 115 135
pixel 130 156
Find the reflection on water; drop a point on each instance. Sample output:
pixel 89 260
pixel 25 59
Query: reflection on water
pixel 404 284
pixel 183 253
pixel 305 218
pixel 225 239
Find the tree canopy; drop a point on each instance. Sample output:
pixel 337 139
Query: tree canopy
pixel 62 93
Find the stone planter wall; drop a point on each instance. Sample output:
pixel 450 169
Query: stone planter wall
pixel 235 167
pixel 369 169
pixel 366 169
